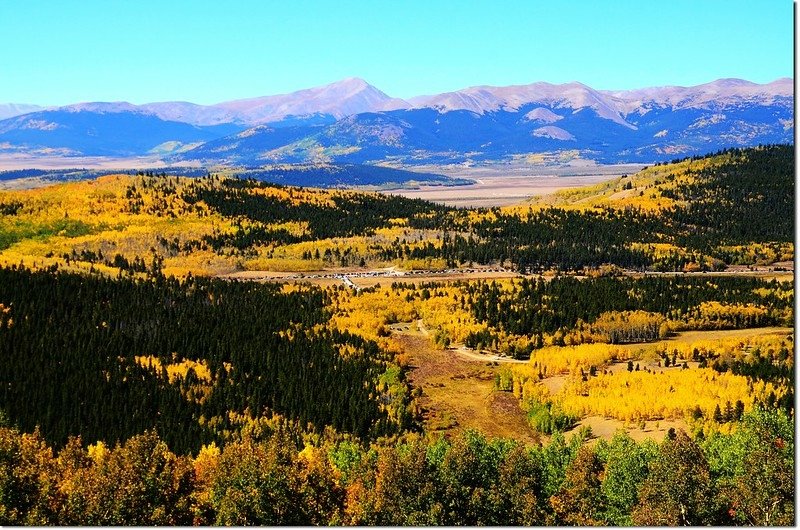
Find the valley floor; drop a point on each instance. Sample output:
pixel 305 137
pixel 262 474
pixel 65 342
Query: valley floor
pixel 514 182
pixel 458 391
pixel 500 190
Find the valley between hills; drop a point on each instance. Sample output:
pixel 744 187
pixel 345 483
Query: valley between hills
pixel 340 352
pixel 462 264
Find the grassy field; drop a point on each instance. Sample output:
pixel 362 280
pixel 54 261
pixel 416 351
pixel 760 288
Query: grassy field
pixel 458 392
pixel 506 190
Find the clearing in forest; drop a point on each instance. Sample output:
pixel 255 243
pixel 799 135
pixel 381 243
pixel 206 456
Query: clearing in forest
pixel 458 393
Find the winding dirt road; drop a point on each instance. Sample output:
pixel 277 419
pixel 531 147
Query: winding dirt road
pixel 471 354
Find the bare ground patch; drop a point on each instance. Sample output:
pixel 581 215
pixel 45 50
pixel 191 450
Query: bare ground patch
pixel 458 392
pixel 505 190
pixel 605 428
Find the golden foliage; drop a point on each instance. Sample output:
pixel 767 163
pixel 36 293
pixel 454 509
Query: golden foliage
pixel 553 360
pixel 370 312
pixel 669 394
pixel 633 396
pixel 132 217
pixel 6 320
pixel 178 370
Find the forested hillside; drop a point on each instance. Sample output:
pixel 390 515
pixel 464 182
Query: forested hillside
pixel 735 207
pixel 317 175
pixel 121 356
pixel 537 306
pixel 141 384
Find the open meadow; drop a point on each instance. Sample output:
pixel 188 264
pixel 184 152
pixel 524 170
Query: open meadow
pixel 505 185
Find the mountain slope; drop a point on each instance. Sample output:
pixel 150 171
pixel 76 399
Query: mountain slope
pixel 336 100
pixel 351 121
pixel 99 129
pixel 123 129
pixel 339 99
pixel 609 104
pixel 185 112
pixel 9 110
pixel 483 99
pixel 499 123
pixel 722 93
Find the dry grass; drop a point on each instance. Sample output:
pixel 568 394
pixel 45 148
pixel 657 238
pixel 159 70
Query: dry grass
pixel 605 428
pixel 489 191
pixel 458 393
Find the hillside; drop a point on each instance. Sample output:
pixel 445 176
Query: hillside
pixel 688 215
pixel 141 383
pixel 9 110
pixel 104 130
pixel 496 123
pixel 311 175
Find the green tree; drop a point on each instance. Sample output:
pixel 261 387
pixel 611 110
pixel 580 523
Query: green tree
pixel 626 469
pixel 556 456
pixel 518 490
pixel 399 490
pixel 257 484
pixel 468 475
pixel 764 494
pixel 754 467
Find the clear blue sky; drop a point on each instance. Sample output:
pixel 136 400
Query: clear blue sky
pixel 59 52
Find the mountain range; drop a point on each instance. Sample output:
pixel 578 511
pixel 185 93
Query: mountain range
pixel 351 121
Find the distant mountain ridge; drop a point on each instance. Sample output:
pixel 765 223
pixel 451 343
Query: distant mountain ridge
pixel 351 121
pixel 343 98
pixel 9 110
pixel 607 103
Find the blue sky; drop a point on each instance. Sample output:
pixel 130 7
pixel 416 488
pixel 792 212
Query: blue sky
pixel 59 52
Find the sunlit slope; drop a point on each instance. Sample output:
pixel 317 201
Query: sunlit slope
pixel 205 226
pixel 759 176
pixel 740 201
pixel 69 224
pixel 732 208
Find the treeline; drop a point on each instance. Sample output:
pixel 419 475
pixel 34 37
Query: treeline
pixel 350 215
pixel 88 355
pixel 550 238
pixel 343 175
pixel 283 477
pixel 317 176
pixel 630 326
pixel 535 306
pixel 759 365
